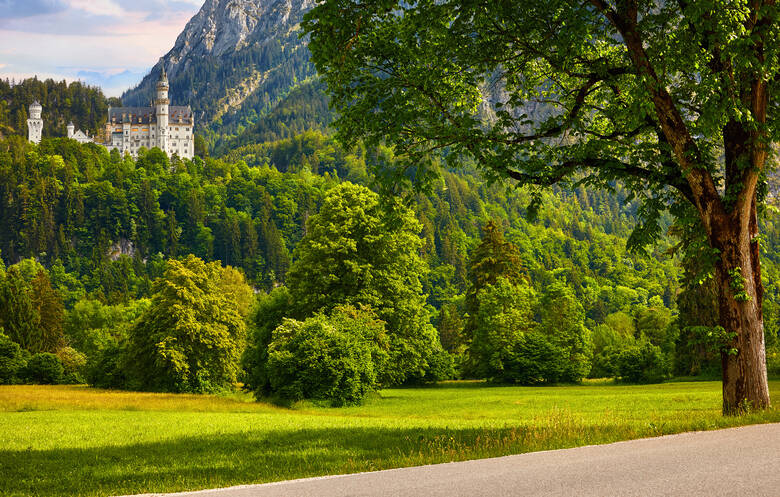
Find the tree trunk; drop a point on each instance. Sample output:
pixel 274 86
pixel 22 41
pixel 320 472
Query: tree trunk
pixel 740 296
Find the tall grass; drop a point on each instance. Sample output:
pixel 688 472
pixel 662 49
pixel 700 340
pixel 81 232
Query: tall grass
pixel 80 441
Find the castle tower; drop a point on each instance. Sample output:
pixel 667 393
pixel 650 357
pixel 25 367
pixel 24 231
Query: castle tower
pixel 35 123
pixel 71 129
pixel 161 104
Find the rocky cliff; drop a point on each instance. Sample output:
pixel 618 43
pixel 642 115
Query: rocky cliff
pixel 233 61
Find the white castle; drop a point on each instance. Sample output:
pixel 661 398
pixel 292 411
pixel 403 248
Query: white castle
pixel 129 128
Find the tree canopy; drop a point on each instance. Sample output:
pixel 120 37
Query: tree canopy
pixel 191 337
pixel 359 251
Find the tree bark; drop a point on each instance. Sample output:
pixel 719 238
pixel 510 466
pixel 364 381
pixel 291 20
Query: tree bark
pixel 740 296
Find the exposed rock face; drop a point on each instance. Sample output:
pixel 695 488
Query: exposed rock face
pixel 225 51
pixel 120 248
pixel 224 26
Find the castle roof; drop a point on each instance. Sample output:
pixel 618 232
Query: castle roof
pixel 147 115
pixel 163 81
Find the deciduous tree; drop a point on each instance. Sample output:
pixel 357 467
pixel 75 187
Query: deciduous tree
pixel 358 251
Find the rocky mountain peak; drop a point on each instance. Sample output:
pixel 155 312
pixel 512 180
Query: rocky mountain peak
pixel 227 53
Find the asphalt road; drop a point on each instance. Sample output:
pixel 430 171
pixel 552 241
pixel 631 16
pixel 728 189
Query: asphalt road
pixel 735 462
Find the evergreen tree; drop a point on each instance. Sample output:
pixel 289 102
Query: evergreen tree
pixel 493 258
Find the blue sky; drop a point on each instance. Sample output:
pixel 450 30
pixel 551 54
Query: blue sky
pixel 108 43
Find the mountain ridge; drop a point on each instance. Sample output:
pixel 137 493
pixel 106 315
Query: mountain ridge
pixel 233 61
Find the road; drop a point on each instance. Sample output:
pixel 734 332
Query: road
pixel 733 462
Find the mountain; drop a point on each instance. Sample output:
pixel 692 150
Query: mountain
pixel 234 60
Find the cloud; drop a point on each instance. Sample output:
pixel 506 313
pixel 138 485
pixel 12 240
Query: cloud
pixel 98 7
pixel 10 9
pixel 107 43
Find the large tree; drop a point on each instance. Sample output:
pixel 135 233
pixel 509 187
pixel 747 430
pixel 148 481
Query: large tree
pixel 191 337
pixel 672 98
pixel 358 251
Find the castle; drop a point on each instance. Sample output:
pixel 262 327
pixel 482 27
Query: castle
pixel 129 128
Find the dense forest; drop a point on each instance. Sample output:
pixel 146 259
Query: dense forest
pixel 101 231
pixel 62 102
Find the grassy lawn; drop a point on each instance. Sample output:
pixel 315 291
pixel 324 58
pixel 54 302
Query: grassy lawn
pixel 74 440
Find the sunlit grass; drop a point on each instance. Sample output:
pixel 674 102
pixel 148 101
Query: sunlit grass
pixel 73 440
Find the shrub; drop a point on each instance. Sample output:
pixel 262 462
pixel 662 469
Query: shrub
pixel 45 368
pixel 773 361
pixel 73 363
pixel 337 358
pixel 643 363
pixel 106 369
pixel 605 362
pixel 536 359
pixel 269 313
pixel 12 361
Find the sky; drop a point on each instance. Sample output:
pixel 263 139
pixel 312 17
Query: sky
pixel 107 43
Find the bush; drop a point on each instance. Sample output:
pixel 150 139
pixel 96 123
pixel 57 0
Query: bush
pixel 536 360
pixel 773 361
pixel 45 368
pixel 106 369
pixel 337 358
pixel 269 313
pixel 73 363
pixel 12 361
pixel 643 363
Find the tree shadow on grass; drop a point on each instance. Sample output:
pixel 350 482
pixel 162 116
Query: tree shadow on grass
pixel 254 457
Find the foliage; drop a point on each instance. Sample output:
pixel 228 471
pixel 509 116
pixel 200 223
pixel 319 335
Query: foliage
pixel 91 326
pixel 671 99
pixel 32 310
pixel 358 251
pixel 73 364
pixel 504 316
pixel 643 363
pixel 562 321
pixel 12 361
pixel 45 368
pixel 62 102
pixel 108 367
pixel 191 337
pixel 492 259
pixel 270 311
pixel 337 358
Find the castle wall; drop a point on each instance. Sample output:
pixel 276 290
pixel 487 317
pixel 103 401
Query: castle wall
pixel 130 138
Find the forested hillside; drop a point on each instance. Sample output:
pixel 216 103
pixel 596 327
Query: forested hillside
pixel 104 227
pixel 62 102
pixel 90 209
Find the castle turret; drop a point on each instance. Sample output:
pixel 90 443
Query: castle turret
pixel 35 123
pixel 71 129
pixel 161 107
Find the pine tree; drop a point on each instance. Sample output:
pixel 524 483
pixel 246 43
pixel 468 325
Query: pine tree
pixel 493 258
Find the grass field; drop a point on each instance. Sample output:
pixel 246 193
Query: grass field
pixel 74 440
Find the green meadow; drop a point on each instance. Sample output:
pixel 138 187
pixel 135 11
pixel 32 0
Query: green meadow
pixel 75 440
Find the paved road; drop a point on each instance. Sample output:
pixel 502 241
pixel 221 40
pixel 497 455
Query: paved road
pixel 735 462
